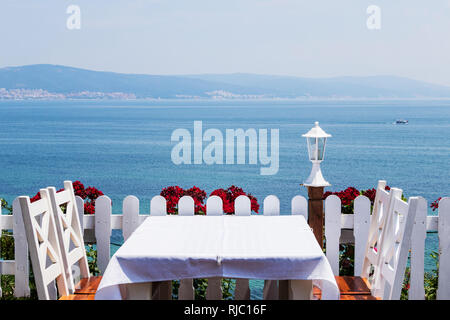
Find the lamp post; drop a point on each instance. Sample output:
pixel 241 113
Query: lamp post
pixel 316 139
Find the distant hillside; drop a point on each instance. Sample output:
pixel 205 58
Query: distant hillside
pixel 61 81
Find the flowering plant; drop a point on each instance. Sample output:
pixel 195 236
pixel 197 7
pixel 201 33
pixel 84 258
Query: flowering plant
pixel 435 205
pixel 229 195
pixel 89 194
pixel 348 196
pixel 173 194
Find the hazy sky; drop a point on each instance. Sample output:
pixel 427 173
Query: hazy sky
pixel 314 38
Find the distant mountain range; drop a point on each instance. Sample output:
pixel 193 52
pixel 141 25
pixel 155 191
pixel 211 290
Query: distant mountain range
pixel 60 82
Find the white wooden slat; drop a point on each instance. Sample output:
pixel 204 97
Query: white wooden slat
pixel 333 231
pixel 7 267
pixel 214 289
pixel 242 290
pixel 142 217
pixel 6 222
pixel 377 221
pixel 432 223
pixel 417 262
pixel 186 206
pixel 116 221
pixel 347 221
pixel 361 207
pixel 299 206
pixel 271 206
pixel 130 219
pixel 63 196
pixel 103 229
pixel 242 206
pixel 158 206
pixel 214 207
pixel 22 268
pixel 443 292
pixel 80 205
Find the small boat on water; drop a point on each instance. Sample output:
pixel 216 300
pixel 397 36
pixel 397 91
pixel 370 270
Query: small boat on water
pixel 401 121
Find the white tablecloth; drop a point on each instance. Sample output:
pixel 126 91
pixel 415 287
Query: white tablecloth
pixel 253 247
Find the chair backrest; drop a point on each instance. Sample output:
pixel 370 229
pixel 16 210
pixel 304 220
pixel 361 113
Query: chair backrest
pixel 378 220
pixel 70 234
pixel 44 248
pixel 395 246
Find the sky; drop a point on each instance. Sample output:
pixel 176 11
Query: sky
pixel 314 38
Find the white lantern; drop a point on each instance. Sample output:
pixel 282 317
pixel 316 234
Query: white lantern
pixel 317 139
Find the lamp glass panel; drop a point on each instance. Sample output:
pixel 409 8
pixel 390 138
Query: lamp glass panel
pixel 312 148
pixel 321 148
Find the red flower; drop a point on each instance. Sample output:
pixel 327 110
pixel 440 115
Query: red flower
pixel 93 193
pixel 89 208
pixel 78 189
pixel 229 195
pixel 370 193
pixel 90 193
pixel 36 197
pixel 435 204
pixel 173 194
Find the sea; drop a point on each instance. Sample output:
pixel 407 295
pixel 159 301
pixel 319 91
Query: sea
pixel 124 148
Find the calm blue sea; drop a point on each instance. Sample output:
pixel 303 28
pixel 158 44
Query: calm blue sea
pixel 124 147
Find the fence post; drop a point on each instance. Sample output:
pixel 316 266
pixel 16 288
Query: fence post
pixel 214 207
pixel 242 207
pixel 130 222
pixel 22 268
pixel 417 264
pixel 333 231
pixel 361 224
pixel 443 291
pixel 158 206
pixel 103 231
pixel 186 207
pixel 271 208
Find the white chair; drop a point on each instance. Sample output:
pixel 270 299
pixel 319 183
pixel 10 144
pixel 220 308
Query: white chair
pixel 377 223
pixel 71 241
pixel 45 252
pixel 370 285
pixel 395 246
pixel 387 250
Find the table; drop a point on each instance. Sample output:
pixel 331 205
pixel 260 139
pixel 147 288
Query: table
pixel 172 247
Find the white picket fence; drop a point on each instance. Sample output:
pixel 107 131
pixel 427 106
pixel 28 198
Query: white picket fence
pixel 98 228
